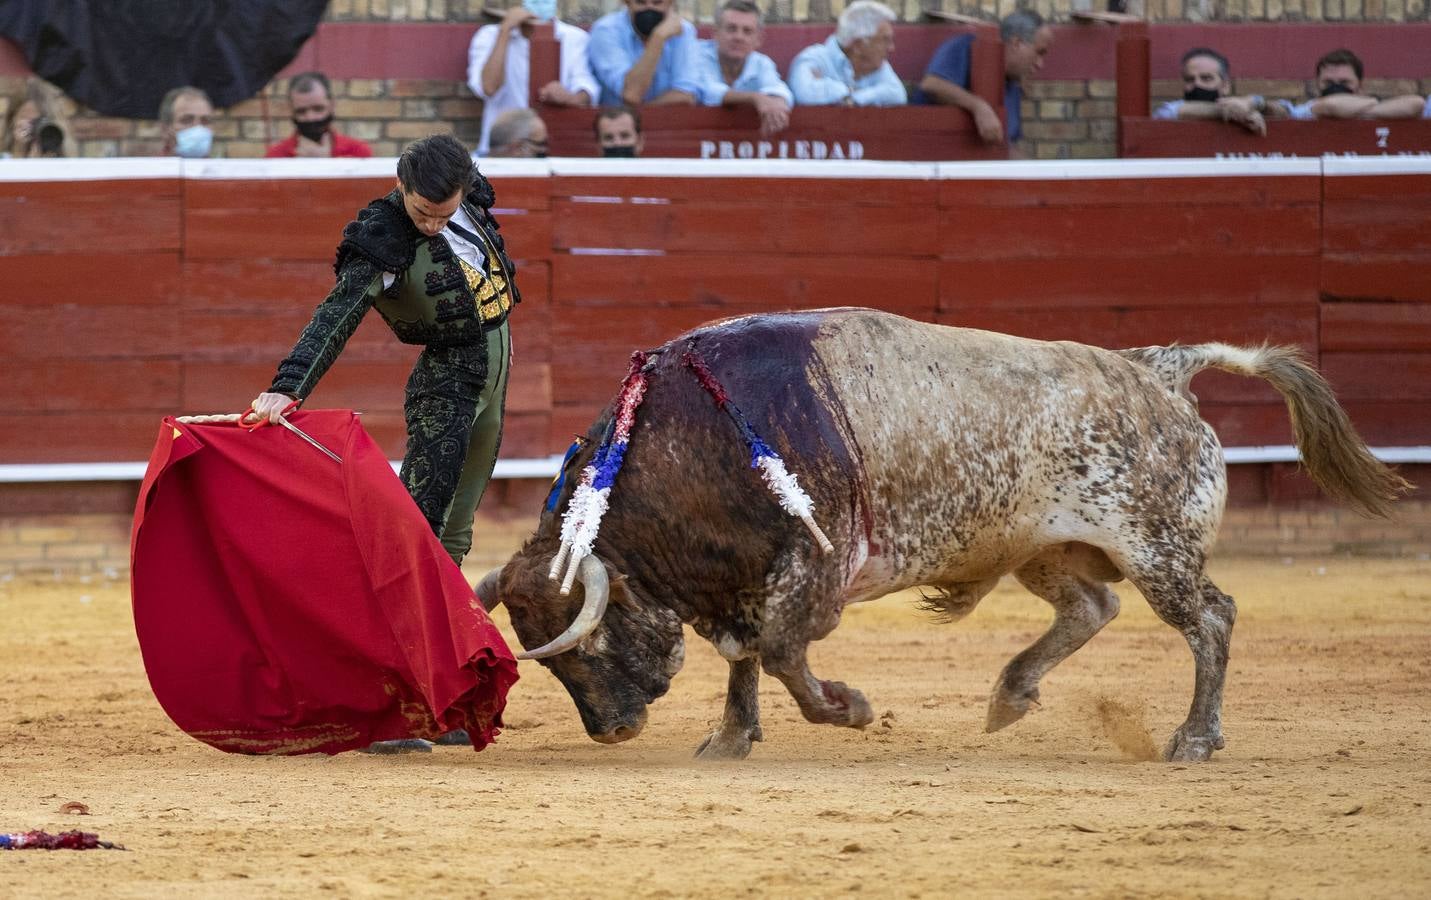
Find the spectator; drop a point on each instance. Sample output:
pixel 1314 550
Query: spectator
pixel 1339 94
pixel 618 132
pixel 851 68
pixel 519 132
pixel 734 74
pixel 184 117
pixel 645 53
pixel 38 128
pixel 311 98
pixel 1026 40
pixel 499 66
pixel 1207 94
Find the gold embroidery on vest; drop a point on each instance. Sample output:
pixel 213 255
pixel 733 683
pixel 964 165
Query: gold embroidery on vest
pixel 493 298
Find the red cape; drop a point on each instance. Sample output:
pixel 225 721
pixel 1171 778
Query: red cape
pixel 286 603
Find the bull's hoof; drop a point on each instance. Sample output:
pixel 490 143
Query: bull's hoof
pixel 406 745
pixel 728 744
pixel 844 706
pixel 1183 747
pixel 1007 707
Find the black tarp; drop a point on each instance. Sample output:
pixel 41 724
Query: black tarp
pixel 119 57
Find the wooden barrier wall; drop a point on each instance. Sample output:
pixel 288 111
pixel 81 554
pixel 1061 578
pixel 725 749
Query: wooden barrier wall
pixel 178 290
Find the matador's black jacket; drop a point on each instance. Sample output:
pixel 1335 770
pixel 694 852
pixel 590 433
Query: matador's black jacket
pixel 432 302
pixel 429 302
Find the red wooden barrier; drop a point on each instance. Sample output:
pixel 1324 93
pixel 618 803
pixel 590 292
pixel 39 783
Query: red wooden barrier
pixel 174 294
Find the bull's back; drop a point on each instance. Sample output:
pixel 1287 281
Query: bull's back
pixel 977 448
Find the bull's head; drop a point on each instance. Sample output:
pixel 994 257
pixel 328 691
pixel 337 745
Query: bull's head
pixel 613 654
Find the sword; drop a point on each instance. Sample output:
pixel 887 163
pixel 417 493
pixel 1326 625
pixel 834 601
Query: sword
pixel 296 430
pixel 283 420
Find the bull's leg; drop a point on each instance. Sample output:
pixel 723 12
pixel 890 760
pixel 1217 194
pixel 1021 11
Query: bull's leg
pixel 803 604
pixel 821 702
pixel 1081 608
pixel 740 725
pixel 1206 622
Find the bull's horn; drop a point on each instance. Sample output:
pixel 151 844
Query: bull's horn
pixel 487 590
pixel 598 590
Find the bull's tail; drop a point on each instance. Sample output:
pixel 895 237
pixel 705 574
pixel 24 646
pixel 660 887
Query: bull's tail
pixel 1332 452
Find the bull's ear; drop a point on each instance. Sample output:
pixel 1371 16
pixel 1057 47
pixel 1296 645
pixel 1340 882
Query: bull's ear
pixel 619 593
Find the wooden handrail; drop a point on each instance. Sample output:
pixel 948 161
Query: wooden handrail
pixel 1106 18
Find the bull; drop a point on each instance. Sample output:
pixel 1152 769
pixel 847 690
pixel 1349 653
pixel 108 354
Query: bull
pixel 934 456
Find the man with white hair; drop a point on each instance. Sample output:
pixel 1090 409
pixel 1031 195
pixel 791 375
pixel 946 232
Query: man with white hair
pixel 851 68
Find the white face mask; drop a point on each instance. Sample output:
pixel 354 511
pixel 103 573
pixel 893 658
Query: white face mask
pixel 194 142
pixel 545 10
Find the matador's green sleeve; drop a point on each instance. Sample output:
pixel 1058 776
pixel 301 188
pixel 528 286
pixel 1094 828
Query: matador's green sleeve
pixel 337 317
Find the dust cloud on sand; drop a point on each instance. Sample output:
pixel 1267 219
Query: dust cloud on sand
pixel 1323 789
pixel 1123 723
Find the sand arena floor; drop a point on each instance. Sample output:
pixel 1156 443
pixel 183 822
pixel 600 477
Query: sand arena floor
pixel 1324 788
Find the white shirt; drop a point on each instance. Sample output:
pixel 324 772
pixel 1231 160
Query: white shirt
pixel 470 253
pixel 515 90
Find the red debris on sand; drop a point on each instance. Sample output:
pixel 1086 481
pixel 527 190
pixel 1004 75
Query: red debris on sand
pixel 65 840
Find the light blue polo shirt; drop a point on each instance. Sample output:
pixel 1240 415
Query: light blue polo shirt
pixel 615 47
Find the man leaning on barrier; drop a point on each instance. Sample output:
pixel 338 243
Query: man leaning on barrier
pixel 734 73
pixel 851 67
pixel 1026 40
pixel 1340 94
pixel 1207 94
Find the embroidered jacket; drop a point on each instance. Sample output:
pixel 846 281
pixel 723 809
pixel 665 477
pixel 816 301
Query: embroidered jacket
pixel 430 301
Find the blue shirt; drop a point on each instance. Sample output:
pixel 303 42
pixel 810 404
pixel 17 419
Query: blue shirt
pixel 1169 110
pixel 615 47
pixel 837 79
pixel 951 62
pixel 758 76
pixel 1301 111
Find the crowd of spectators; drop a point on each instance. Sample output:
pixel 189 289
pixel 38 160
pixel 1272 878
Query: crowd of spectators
pixel 646 54
pixel 1208 94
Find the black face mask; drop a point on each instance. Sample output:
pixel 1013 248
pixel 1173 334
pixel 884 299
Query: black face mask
pixel 1201 94
pixel 1337 87
pixel 646 21
pixel 314 131
pixel 627 152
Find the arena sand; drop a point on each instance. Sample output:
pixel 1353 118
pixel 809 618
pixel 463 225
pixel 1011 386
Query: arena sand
pixel 1324 788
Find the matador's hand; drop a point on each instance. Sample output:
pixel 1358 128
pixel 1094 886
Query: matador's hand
pixel 270 406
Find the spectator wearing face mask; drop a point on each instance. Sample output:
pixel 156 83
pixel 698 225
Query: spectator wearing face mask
pixel 185 115
pixel 1340 96
pixel 1207 94
pixel 518 133
pixel 618 132
pixel 851 68
pixel 311 98
pixel 645 54
pixel 499 66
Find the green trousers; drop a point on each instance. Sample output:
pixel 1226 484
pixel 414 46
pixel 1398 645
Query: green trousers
pixel 454 414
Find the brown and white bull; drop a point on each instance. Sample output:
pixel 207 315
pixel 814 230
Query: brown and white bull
pixel 935 456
